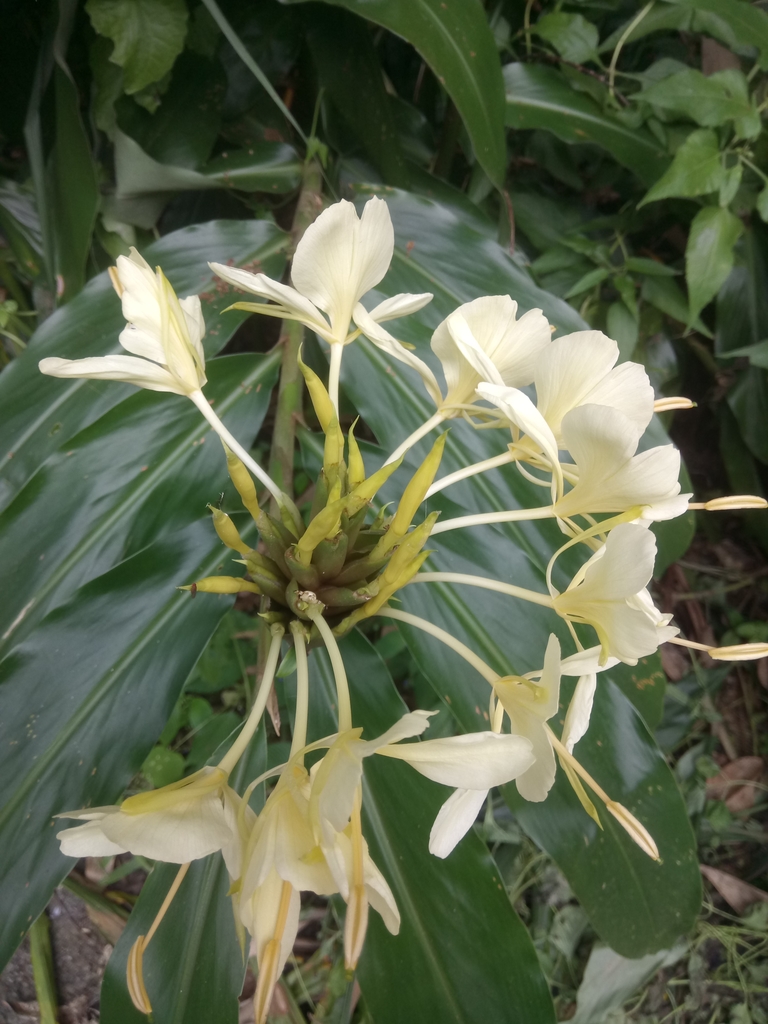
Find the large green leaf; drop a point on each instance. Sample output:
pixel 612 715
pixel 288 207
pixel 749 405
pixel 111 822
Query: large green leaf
pixel 41 413
pixel 749 24
pixel 87 689
pixel 348 68
pixel 462 954
pixel 194 969
pixel 539 97
pixel 696 170
pixel 709 254
pixel 455 40
pixel 511 635
pixel 83 701
pixel 146 469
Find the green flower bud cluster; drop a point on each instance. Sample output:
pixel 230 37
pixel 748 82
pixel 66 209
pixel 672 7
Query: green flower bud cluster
pixel 344 558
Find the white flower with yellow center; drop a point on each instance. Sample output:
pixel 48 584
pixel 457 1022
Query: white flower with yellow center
pixel 164 335
pixel 609 593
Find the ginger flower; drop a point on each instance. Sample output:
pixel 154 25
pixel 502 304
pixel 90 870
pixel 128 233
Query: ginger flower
pixel 182 822
pixel 609 593
pixel 164 335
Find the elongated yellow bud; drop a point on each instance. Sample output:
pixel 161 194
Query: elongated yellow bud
pixel 413 495
pixel 356 469
pixel 634 829
pixel 325 524
pixel 731 502
pixel 227 531
pixel 243 482
pixel 134 975
pixel 668 404
pixel 321 400
pixel 365 490
pixel 222 585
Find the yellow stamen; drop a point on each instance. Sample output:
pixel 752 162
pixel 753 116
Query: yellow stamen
pixel 736 652
pixel 730 502
pixel 270 959
pixel 356 923
pixel 134 973
pixel 206 781
pixel 668 404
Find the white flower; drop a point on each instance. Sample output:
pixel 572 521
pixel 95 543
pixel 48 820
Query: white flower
pixel 611 478
pixel 178 823
pixel 483 341
pixel 164 335
pixel 609 592
pixel 339 259
pixel 585 665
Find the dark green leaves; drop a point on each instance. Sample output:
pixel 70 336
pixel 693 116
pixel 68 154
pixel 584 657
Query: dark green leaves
pixel 709 254
pixel 574 38
pixel 539 97
pixel 696 170
pixel 455 40
pixel 148 36
pixel 708 100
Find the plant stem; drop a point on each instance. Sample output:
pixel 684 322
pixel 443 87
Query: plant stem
pixel 337 663
pixel 337 351
pixel 41 955
pixel 417 435
pixel 238 748
pixel 480 581
pixel 461 474
pixel 302 690
pixel 485 518
pixel 450 641
pixel 291 388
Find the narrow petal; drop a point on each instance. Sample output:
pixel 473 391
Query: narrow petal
pixel 626 387
pixel 129 369
pixel 472 350
pixel 455 818
pixel 379 894
pixel 579 711
pixel 282 294
pixel 400 305
pixel 535 783
pixel 475 760
pixel 193 314
pixel 520 410
pixel 142 343
pixel 584 662
pixel 383 339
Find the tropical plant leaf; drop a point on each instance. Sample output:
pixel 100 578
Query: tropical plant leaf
pixel 455 40
pixel 709 254
pixel 696 170
pixel 539 97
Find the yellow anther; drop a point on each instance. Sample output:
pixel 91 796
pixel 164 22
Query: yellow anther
pixel 731 502
pixel 739 652
pixel 634 829
pixel 668 404
pixel 134 974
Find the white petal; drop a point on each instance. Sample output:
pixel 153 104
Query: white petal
pixel 627 388
pixel 340 258
pixel 584 662
pixel 87 841
pixel 568 369
pixel 535 783
pixel 579 711
pixel 383 339
pixel 129 369
pixel 475 760
pixel 141 343
pixel 187 831
pixel 455 818
pixel 379 894
pixel 402 304
pixel 266 288
pixel 520 410
pixel 624 567
pixel 193 314
pixel 260 914
pixel 472 350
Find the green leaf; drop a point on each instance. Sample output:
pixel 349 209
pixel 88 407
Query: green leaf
pixel 74 194
pixel 667 296
pixel 539 97
pixel 163 766
pixel 748 401
pixel 41 413
pixel 748 24
pixel 622 326
pixel 742 303
pixel 574 38
pixel 194 969
pixel 462 953
pixel 144 470
pixel 762 204
pixel 696 170
pixel 647 906
pixel 675 16
pixel 709 254
pixel 589 280
pixel 709 100
pixel 349 69
pixel 730 185
pixel 144 185
pixel 148 36
pixel 20 225
pixel 455 40
pixel 644 265
pixel 743 475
